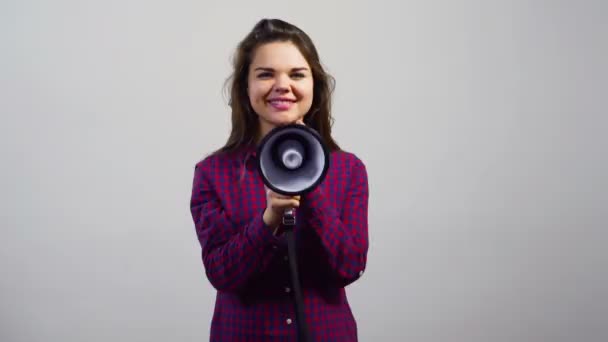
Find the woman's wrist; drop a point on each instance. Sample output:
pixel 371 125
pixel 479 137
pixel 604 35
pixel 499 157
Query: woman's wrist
pixel 270 219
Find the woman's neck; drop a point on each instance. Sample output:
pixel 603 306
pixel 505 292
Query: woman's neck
pixel 264 128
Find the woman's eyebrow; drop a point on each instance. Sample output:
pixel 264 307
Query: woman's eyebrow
pixel 271 69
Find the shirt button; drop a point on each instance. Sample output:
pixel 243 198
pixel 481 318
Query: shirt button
pixel 285 258
pixel 288 321
pixel 360 273
pixel 287 289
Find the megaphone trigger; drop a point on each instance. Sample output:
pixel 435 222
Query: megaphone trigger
pixel 289 217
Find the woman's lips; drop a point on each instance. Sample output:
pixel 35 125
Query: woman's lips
pixel 281 104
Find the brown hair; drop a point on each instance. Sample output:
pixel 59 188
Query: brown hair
pixel 245 124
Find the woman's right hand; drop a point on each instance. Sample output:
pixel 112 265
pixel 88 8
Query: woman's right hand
pixel 276 204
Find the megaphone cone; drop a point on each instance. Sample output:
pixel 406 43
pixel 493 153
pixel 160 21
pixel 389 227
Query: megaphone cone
pixel 292 159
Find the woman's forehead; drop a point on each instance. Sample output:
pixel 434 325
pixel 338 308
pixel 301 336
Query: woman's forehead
pixel 278 55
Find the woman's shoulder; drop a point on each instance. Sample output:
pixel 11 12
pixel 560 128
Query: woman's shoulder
pixel 219 159
pixel 347 158
pixel 348 163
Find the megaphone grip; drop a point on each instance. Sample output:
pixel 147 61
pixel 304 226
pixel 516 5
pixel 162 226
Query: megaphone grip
pixel 289 217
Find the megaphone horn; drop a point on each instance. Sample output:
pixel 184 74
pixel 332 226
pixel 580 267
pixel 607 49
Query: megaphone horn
pixel 292 159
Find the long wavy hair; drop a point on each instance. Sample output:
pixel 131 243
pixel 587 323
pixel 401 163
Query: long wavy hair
pixel 245 124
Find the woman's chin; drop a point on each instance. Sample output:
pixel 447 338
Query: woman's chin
pixel 281 119
pixel 284 120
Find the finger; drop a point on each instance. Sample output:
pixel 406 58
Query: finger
pixel 285 203
pixel 277 195
pixel 271 193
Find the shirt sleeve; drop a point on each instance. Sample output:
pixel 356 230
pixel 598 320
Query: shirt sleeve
pixel 344 236
pixel 231 254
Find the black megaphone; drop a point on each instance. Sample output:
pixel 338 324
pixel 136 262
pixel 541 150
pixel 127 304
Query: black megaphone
pixel 292 159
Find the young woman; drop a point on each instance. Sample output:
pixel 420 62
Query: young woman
pixel 278 79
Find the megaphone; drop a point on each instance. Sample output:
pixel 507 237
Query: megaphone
pixel 292 159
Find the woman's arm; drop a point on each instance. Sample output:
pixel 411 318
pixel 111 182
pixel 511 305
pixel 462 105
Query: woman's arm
pixel 344 237
pixel 231 254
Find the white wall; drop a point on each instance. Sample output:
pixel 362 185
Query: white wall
pixel 483 126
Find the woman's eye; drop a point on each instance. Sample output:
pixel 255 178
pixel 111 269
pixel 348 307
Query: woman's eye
pixel 269 74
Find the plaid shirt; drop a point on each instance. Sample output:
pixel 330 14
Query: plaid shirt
pixel 248 265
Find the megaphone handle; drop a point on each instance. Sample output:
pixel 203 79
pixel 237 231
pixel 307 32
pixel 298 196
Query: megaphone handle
pixel 289 217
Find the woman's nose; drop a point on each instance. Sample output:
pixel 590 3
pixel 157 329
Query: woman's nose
pixel 281 84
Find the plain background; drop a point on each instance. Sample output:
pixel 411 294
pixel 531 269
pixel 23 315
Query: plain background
pixel 482 124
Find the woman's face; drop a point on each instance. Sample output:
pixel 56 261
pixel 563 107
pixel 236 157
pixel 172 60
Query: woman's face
pixel 280 85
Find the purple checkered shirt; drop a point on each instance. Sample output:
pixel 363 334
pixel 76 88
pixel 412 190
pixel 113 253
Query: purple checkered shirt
pixel 248 265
